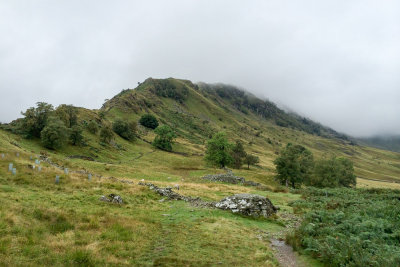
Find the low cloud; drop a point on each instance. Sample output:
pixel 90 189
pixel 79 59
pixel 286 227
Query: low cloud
pixel 336 62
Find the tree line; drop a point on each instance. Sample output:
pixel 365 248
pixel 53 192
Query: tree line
pixel 221 153
pixel 296 166
pixel 58 126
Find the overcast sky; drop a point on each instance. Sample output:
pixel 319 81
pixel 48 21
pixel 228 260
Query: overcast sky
pixel 335 61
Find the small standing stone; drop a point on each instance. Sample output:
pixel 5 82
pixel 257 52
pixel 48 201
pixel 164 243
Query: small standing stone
pixel 89 177
pixel 66 171
pixel 10 167
pixel 37 161
pixel 33 167
pixel 14 171
pixel 57 179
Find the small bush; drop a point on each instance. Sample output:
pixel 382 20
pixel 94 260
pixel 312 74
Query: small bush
pixel 106 134
pixel 126 130
pixel 55 134
pixel 149 121
pixel 76 137
pixel 164 138
pixel 92 127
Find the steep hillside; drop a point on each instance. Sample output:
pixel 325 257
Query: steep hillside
pixel 196 111
pixel 391 143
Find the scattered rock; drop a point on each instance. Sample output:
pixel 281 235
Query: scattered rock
pixel 171 195
pixel 248 205
pixel 229 177
pixel 112 198
pixel 245 204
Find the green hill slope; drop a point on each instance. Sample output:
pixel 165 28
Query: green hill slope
pixel 196 111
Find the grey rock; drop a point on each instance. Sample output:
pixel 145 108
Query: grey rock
pixel 112 198
pixel 248 205
pixel 171 195
pixel 104 199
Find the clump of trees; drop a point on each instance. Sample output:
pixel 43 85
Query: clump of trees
pixel 126 130
pixel 149 121
pixel 35 119
pixel 68 114
pixel 221 153
pixel 164 138
pixel 55 127
pixel 295 166
pixel 333 172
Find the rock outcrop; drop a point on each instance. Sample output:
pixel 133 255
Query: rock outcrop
pixel 248 205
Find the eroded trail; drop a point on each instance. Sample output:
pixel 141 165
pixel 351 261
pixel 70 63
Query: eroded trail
pixel 285 254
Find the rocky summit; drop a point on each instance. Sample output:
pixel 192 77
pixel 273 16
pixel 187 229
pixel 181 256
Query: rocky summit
pixel 248 205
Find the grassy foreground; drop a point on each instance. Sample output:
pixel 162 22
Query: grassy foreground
pixel 42 223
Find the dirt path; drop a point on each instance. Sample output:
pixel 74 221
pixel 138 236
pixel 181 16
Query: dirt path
pixel 285 254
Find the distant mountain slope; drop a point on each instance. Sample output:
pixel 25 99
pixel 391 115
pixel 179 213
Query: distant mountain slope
pixel 201 106
pixel 391 143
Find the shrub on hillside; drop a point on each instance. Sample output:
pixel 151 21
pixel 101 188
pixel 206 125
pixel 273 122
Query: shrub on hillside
pixel 149 121
pixel 251 160
pixel 126 130
pixel 238 154
pixel 92 127
pixel 164 138
pixel 76 137
pixel 54 135
pixel 106 134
